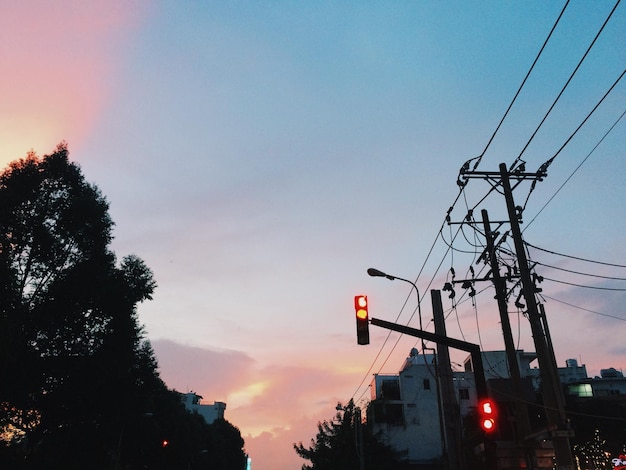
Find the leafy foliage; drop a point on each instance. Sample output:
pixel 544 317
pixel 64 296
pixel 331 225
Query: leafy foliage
pixel 79 386
pixel 339 443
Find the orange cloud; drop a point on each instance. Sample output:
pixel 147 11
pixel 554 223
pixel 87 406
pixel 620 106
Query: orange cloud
pixel 274 405
pixel 58 61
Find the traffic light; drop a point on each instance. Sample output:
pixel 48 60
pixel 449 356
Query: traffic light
pixel 362 320
pixel 487 415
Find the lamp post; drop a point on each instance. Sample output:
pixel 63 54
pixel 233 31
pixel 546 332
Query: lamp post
pixel 450 425
pixel 377 273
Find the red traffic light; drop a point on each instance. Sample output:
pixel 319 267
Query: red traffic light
pixel 487 415
pixel 362 319
pixel 360 305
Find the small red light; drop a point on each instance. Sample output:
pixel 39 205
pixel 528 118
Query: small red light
pixel 487 411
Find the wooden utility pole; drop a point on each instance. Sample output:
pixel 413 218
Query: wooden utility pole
pixel 557 428
pixel 522 424
pixel 451 413
pixel 551 386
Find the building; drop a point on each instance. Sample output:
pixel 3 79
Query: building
pixel 210 413
pixel 405 406
pixel 405 410
pixel 610 385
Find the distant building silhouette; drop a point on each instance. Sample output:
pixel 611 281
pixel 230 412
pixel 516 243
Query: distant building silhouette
pixel 210 413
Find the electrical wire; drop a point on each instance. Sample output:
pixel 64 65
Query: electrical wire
pixel 439 234
pixel 413 314
pixel 567 84
pixel 580 273
pixel 615 317
pixel 549 162
pixel 573 257
pixel 589 115
pixel 450 246
pixel 479 158
pixel 617 289
pixel 575 170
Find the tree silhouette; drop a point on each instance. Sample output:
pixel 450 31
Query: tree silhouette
pixel 79 386
pixel 339 443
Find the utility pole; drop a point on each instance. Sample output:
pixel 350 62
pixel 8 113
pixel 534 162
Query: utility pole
pixel 451 413
pixel 554 406
pixel 551 385
pixel 522 424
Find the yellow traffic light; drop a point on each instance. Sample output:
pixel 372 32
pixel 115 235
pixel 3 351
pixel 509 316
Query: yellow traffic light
pixel 362 319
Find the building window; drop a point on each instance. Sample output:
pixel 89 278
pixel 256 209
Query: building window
pixel 426 384
pixel 390 390
pixel 463 393
pixel 390 413
pixel 581 390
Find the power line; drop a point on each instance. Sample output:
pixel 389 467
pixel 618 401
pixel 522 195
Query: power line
pixel 574 257
pixel 400 313
pixel 479 158
pixel 549 162
pixel 615 317
pixel 584 286
pixel 580 273
pixel 576 169
pixel 450 245
pixel 567 84
pixel 588 116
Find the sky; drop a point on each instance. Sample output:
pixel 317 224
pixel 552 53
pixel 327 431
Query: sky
pixel 260 156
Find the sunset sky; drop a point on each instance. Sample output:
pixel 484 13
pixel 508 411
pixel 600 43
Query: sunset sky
pixel 260 156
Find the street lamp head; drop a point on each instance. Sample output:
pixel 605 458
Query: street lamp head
pixel 376 273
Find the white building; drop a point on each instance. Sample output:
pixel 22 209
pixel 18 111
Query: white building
pixel 405 407
pixel 210 413
pixel 610 385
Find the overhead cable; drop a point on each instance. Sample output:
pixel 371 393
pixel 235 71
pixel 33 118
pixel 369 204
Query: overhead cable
pixel 566 85
pixel 479 158
pixel 581 274
pixel 576 169
pixel 615 317
pixel 574 257
pixel 584 286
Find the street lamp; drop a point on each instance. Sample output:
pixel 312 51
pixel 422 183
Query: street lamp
pixel 377 273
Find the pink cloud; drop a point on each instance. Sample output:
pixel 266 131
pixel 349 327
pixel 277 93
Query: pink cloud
pixel 211 373
pixel 58 59
pixel 273 405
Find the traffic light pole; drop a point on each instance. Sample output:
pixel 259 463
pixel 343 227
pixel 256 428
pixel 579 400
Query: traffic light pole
pixel 451 412
pixel 477 362
pixel 473 349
